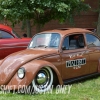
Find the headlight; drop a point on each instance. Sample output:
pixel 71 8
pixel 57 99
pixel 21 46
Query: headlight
pixel 21 73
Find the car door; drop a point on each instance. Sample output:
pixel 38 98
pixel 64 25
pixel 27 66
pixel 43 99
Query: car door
pixel 75 58
pixel 93 46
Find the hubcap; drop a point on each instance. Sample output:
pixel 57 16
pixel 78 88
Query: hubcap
pixel 41 78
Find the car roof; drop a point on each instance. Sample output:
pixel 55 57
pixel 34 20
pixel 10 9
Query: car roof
pixel 5 27
pixel 65 31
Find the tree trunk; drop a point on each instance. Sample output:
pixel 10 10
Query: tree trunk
pixel 38 28
pixel 98 24
pixel 28 25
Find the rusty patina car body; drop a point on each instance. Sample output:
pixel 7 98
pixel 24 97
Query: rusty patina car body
pixel 10 42
pixel 53 57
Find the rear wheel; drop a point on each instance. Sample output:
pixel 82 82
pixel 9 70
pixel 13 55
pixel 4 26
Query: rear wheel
pixel 43 80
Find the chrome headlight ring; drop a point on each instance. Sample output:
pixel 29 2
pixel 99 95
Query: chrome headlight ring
pixel 21 73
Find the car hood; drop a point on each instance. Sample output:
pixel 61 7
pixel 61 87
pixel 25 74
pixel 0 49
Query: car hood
pixel 13 62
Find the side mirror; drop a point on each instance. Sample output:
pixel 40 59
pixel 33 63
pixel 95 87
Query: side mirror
pixel 63 48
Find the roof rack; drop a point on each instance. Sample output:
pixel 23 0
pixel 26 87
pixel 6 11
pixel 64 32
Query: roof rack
pixel 91 29
pixel 63 29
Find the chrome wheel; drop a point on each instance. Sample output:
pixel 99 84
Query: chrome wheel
pixel 43 80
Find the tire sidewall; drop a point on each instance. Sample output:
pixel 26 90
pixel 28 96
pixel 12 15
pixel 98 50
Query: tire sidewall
pixel 48 87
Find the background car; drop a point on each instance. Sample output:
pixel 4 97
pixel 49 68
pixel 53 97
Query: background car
pixel 10 42
pixel 53 57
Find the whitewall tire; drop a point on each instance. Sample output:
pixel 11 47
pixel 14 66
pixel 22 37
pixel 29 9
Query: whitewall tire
pixel 43 80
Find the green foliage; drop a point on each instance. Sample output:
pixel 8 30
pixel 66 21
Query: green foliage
pixel 40 11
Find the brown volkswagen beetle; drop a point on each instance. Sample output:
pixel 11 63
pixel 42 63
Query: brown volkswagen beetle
pixel 53 57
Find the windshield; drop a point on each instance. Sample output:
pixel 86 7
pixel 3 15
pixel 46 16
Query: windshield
pixel 45 40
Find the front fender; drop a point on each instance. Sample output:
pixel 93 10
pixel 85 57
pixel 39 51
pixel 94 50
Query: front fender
pixel 31 69
pixel 34 66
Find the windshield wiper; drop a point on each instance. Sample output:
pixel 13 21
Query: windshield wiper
pixel 41 46
pixel 53 46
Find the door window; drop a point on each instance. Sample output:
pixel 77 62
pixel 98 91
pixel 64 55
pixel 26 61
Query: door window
pixel 75 41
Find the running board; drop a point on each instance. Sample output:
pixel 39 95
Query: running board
pixel 68 81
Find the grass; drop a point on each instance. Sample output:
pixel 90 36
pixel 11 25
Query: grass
pixel 84 90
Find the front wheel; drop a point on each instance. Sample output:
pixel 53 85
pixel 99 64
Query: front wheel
pixel 43 80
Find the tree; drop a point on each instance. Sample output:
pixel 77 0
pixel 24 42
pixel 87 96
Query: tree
pixel 40 11
pixel 98 25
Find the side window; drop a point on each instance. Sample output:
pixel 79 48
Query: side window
pixel 5 35
pixel 66 43
pixel 73 42
pixel 92 40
